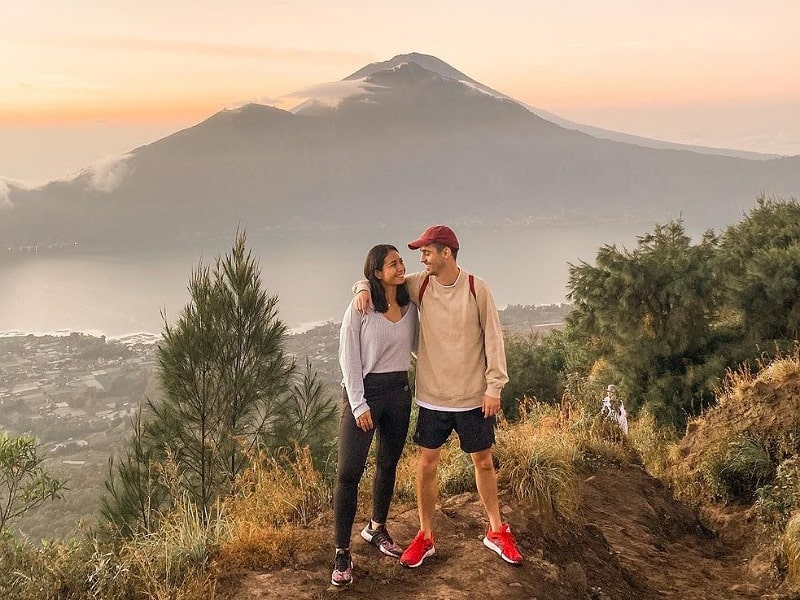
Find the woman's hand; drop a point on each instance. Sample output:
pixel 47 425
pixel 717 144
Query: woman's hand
pixel 363 301
pixel 364 421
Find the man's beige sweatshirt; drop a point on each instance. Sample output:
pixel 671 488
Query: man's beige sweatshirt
pixel 461 355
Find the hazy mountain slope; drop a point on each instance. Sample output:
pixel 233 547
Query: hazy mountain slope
pixel 413 148
pixel 627 138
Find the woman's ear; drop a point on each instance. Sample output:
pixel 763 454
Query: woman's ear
pixel 379 275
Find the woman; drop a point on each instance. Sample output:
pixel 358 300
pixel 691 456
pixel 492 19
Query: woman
pixel 374 355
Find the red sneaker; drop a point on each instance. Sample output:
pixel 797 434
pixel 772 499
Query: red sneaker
pixel 419 549
pixel 504 544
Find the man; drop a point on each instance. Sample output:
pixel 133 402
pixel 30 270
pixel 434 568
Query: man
pixel 461 370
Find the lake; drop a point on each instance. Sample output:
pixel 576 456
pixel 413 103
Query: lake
pixel 311 272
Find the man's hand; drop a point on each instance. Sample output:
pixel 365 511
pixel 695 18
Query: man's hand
pixel 491 406
pixel 363 301
pixel 364 421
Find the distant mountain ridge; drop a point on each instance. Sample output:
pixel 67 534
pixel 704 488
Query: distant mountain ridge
pixel 431 63
pixel 411 135
pixel 426 61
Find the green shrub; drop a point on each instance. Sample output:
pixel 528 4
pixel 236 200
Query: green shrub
pixel 776 501
pixel 747 465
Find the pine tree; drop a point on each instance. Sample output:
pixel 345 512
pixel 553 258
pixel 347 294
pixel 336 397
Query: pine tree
pixel 308 418
pixel 649 313
pixel 760 257
pixel 224 374
pixel 136 494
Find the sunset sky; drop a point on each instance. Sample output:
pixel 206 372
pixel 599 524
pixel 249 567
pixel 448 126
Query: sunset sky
pixel 85 80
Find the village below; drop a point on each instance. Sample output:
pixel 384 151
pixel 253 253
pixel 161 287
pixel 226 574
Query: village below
pixel 78 394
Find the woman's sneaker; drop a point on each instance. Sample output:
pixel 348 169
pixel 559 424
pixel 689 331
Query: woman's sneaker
pixel 504 544
pixel 417 551
pixel 381 539
pixel 342 568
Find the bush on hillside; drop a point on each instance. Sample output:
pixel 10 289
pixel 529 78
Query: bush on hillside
pixel 535 367
pixel 24 482
pixel 652 442
pixel 777 501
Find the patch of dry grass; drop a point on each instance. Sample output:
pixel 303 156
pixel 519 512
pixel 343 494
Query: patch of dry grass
pixel 268 516
pixel 791 548
pixel 770 368
pixel 169 564
pixel 653 443
pixel 537 458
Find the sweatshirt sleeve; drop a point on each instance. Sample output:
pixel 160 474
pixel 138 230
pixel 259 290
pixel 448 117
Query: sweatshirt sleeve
pixel 413 281
pixel 350 360
pixel 496 371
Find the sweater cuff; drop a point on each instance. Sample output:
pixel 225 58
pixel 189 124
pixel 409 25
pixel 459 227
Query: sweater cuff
pixel 360 410
pixel 494 391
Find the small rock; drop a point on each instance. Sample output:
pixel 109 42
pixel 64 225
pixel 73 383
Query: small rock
pixel 575 578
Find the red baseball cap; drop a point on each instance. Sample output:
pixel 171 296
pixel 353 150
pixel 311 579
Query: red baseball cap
pixel 436 234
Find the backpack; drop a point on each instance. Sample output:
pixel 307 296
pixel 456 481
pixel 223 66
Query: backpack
pixel 425 285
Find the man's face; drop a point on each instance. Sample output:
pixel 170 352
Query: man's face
pixel 433 259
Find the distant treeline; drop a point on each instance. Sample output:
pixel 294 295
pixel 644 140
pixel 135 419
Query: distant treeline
pixel 521 317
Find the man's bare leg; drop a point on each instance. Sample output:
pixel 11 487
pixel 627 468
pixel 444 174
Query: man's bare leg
pixel 486 481
pixel 427 488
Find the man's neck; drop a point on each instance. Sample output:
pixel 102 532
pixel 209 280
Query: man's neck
pixel 449 275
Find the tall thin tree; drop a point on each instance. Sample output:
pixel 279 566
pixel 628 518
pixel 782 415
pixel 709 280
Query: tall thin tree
pixel 224 372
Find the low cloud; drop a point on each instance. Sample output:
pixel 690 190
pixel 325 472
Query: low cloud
pixel 326 94
pixel 5 191
pixel 106 174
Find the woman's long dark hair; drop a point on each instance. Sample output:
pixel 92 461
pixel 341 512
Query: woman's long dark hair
pixel 374 262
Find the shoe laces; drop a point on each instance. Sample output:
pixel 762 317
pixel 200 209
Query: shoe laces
pixel 422 541
pixel 381 535
pixel 504 536
pixel 342 561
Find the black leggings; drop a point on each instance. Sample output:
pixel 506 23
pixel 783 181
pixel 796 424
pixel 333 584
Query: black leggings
pixel 389 400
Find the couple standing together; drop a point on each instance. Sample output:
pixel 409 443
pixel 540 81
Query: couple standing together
pixel 461 370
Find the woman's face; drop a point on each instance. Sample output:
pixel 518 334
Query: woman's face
pixel 393 271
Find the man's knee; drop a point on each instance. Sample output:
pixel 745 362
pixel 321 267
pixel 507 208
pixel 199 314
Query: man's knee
pixel 428 462
pixel 483 460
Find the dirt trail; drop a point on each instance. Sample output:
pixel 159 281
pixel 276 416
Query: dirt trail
pixel 633 541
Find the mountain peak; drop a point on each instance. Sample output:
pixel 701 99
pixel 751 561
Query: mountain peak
pixel 426 61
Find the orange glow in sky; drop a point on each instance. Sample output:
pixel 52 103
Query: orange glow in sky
pixel 717 72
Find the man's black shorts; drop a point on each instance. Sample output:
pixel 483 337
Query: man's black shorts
pixel 475 433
